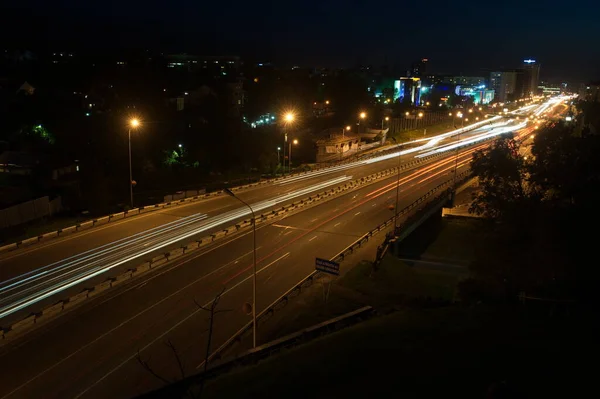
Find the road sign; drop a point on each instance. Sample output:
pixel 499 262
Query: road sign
pixel 327 266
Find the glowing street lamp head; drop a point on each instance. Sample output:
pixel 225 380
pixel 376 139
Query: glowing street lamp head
pixel 348 127
pixel 460 115
pixel 289 117
pixel 295 141
pixel 363 115
pixel 449 113
pixel 134 122
pixel 406 113
pixel 420 114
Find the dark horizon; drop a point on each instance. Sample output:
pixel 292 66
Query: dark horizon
pixel 333 34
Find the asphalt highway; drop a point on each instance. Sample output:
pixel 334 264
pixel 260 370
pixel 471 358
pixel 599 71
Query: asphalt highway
pixel 91 351
pixel 37 276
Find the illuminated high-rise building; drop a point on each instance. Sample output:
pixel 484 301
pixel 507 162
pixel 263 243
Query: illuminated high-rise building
pixel 531 70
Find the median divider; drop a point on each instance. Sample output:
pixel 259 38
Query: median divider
pixel 75 299
pixel 51 310
pixel 121 278
pixel 162 259
pixel 98 288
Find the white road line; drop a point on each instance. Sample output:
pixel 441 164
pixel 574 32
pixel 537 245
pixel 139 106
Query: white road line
pixel 290 231
pixel 357 213
pixel 337 224
pixel 169 330
pixel 312 238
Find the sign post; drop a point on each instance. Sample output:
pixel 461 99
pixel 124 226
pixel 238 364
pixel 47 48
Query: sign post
pixel 329 267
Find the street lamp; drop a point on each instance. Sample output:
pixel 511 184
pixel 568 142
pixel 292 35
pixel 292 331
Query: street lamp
pixel 386 119
pixel 278 159
pixel 347 129
pixel 133 124
pixel 230 193
pixel 362 115
pixel 295 142
pixel 288 118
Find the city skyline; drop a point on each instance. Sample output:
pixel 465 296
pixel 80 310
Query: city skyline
pixel 332 34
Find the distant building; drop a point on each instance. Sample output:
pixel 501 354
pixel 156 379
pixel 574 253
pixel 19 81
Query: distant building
pixel 549 89
pixel 407 90
pixel 531 71
pixel 504 84
pixel 466 80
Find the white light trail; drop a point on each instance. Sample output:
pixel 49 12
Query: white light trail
pixel 35 286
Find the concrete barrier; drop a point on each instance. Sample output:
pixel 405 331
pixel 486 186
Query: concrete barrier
pixel 143 268
pixel 204 241
pixel 8 247
pixel 29 241
pixel 218 234
pixel 85 225
pixel 102 220
pixel 119 215
pixel 158 261
pixel 52 234
pixel 145 209
pixel 175 253
pixel 51 310
pixel 67 230
pixel 77 298
pixel 131 212
pixel 98 288
pixel 121 278
pixel 191 246
pixel 22 325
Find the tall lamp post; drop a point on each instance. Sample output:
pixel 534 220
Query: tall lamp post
pixel 278 156
pixel 459 115
pixel 362 115
pixel 230 193
pixel 295 141
pixel 133 124
pixel 288 120
pixel 397 188
pixel 386 119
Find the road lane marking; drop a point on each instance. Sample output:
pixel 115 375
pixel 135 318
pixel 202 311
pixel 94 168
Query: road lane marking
pixel 312 238
pixel 314 220
pixel 290 231
pixel 357 213
pixel 337 224
pixel 174 327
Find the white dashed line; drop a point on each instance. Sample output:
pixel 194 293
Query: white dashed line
pixel 357 213
pixel 312 238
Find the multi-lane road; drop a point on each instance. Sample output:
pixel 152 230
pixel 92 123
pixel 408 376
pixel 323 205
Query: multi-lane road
pixel 91 351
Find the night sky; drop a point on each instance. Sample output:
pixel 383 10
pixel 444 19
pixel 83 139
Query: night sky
pixel 468 37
